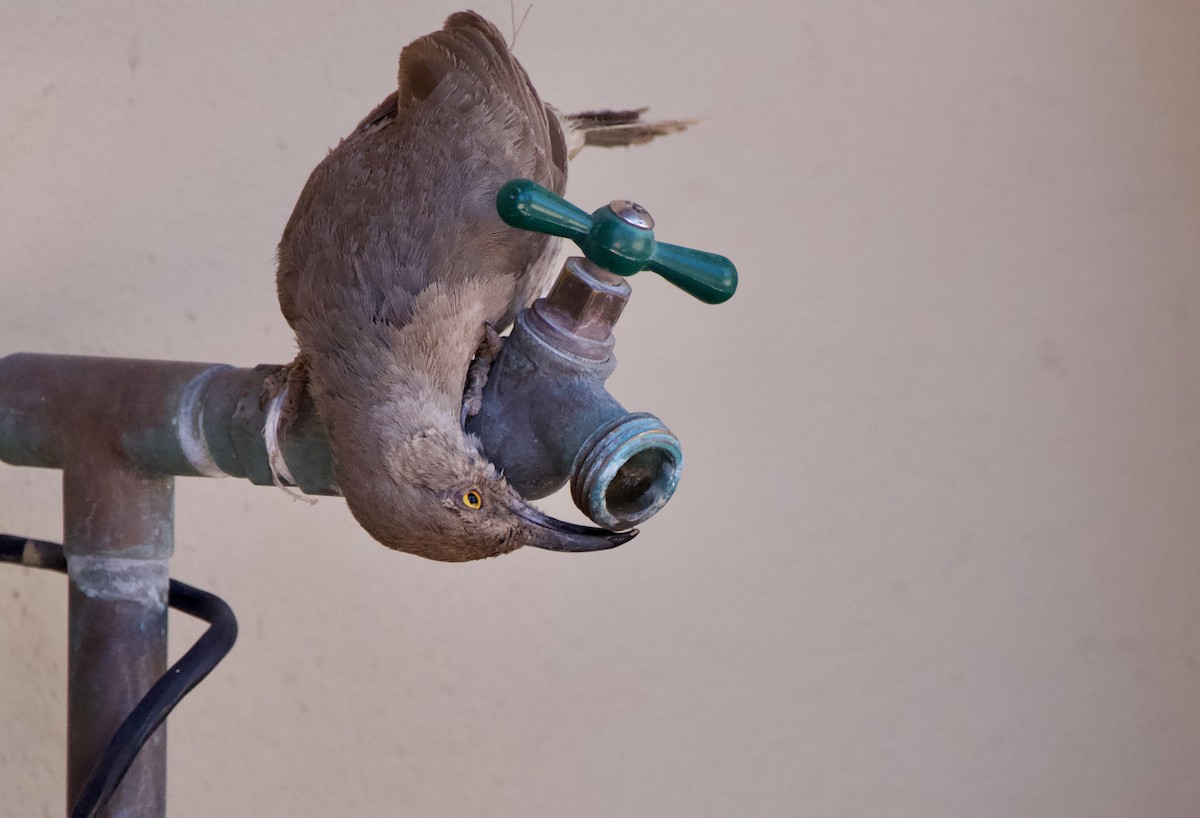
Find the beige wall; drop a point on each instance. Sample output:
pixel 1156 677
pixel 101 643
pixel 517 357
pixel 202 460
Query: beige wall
pixel 936 550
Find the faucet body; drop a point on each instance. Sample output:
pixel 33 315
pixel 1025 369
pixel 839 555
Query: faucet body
pixel 546 417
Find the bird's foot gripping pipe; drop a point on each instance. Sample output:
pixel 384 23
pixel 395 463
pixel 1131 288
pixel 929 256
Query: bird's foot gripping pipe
pixel 282 393
pixel 274 428
pixel 477 373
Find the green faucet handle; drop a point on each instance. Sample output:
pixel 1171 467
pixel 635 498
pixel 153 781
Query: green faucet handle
pixel 618 237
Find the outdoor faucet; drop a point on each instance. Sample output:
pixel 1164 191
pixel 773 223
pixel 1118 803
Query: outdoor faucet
pixel 546 417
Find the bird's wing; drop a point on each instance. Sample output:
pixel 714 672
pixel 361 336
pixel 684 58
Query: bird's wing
pixel 381 116
pixel 408 198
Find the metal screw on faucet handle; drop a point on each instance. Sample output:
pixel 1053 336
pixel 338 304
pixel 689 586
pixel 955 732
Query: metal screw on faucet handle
pixel 632 213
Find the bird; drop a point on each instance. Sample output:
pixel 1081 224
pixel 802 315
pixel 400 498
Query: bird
pixel 396 273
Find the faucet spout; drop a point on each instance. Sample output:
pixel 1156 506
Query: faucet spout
pixel 547 418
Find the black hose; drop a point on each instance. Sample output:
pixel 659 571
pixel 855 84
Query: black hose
pixel 161 698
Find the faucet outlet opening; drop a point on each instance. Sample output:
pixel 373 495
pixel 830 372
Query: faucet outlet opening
pixel 626 471
pixel 639 483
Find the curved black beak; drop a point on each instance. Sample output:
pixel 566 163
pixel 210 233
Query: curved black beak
pixel 556 535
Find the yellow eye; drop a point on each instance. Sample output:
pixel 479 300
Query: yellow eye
pixel 472 498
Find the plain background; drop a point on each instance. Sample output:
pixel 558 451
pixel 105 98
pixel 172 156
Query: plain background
pixel 936 549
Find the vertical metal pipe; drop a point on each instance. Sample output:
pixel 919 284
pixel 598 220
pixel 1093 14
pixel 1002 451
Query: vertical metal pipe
pixel 118 536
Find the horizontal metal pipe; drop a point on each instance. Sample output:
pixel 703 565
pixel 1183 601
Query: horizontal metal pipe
pixel 542 410
pixel 164 418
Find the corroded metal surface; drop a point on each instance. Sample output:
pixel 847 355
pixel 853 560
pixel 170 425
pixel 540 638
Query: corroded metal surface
pixel 163 418
pixel 118 537
pixel 547 418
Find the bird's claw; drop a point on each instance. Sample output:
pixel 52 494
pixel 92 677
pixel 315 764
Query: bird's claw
pixel 291 381
pixel 477 372
pixel 281 395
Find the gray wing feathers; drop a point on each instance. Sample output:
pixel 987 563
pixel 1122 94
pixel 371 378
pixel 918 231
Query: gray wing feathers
pixel 407 198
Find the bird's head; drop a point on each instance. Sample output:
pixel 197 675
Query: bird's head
pixel 442 499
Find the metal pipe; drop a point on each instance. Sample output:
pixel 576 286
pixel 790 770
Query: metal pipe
pixel 102 421
pixel 163 418
pixel 118 537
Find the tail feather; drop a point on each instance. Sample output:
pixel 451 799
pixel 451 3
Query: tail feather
pixel 610 129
